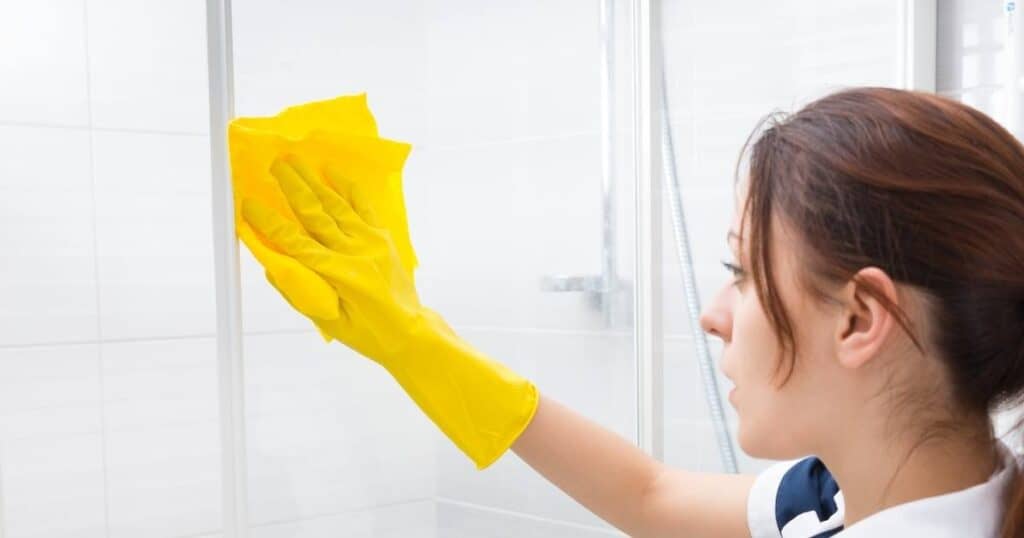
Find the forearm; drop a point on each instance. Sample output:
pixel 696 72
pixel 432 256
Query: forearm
pixel 599 468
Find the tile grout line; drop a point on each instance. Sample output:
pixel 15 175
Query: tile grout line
pixel 525 139
pixel 325 515
pixel 96 266
pixel 146 339
pixel 280 332
pixel 90 127
pixel 524 515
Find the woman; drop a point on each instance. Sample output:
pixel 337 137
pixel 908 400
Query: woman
pixel 875 319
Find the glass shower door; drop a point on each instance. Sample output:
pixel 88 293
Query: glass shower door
pixel 519 194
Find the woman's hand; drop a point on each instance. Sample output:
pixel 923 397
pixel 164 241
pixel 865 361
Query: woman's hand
pixel 341 242
pixel 479 403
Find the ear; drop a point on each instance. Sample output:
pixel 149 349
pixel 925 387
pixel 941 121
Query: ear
pixel 864 324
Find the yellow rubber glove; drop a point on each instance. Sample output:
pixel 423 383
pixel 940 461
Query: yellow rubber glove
pixel 333 235
pixel 339 134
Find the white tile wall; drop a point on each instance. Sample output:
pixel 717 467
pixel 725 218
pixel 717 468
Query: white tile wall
pixel 512 70
pixel 465 520
pixel 43 59
pixel 156 274
pixel 108 406
pixel 329 432
pixel 147 65
pixel 51 441
pixel 414 519
pixel 48 278
pixel 288 53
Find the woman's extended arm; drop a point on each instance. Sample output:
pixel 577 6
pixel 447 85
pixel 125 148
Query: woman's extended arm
pixel 621 484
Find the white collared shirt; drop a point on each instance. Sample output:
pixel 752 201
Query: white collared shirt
pixel 800 499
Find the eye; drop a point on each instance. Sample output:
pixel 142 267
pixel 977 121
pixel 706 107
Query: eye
pixel 736 271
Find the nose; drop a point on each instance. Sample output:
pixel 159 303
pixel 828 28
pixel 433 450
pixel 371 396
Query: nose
pixel 716 318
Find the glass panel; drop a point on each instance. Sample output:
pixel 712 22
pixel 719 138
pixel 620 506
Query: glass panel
pixel 726 67
pixel 502 103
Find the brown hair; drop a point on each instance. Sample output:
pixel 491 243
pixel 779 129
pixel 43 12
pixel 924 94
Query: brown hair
pixel 925 188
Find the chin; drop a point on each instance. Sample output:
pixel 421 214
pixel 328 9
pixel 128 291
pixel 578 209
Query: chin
pixel 763 443
pixel 747 444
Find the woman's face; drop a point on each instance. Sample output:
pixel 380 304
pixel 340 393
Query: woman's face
pixel 776 422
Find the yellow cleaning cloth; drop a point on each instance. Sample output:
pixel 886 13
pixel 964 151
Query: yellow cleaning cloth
pixel 319 203
pixel 339 137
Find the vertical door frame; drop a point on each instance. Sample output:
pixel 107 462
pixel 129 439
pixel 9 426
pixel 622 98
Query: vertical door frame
pixel 917 44
pixel 648 322
pixel 230 371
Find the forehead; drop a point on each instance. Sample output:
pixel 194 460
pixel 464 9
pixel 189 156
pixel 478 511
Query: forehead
pixel 733 235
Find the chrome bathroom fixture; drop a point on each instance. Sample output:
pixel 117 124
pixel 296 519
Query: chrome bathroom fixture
pixel 605 291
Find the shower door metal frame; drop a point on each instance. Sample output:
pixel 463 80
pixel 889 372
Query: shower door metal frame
pixel 230 366
pixel 648 324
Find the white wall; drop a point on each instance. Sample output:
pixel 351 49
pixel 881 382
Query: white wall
pixel 970 53
pixel 108 408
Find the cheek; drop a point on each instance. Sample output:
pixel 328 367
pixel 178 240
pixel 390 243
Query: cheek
pixel 753 342
pixel 762 408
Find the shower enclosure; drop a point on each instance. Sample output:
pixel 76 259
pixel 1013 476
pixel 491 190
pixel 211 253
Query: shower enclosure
pixel 568 193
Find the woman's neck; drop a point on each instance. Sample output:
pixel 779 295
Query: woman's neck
pixel 874 476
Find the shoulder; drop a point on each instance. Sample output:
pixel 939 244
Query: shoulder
pixel 795 498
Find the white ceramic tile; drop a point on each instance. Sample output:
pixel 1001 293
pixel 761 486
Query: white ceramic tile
pixel 54 475
pixel 489 81
pixel 163 437
pixel 155 243
pixel 458 520
pixel 331 48
pixel 970 35
pixel 47 276
pixel 329 431
pixel 144 163
pixel 591 373
pixel 414 519
pixel 164 480
pixel 803 49
pixel 43 61
pixel 44 159
pixel 317 464
pixel 147 62
pixel 691 445
pixel 48 392
pixel 160 383
pixel 509 484
pixel 684 393
pixel 155 265
pixel 490 222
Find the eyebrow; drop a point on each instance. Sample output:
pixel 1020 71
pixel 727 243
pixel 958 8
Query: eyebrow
pixel 732 234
